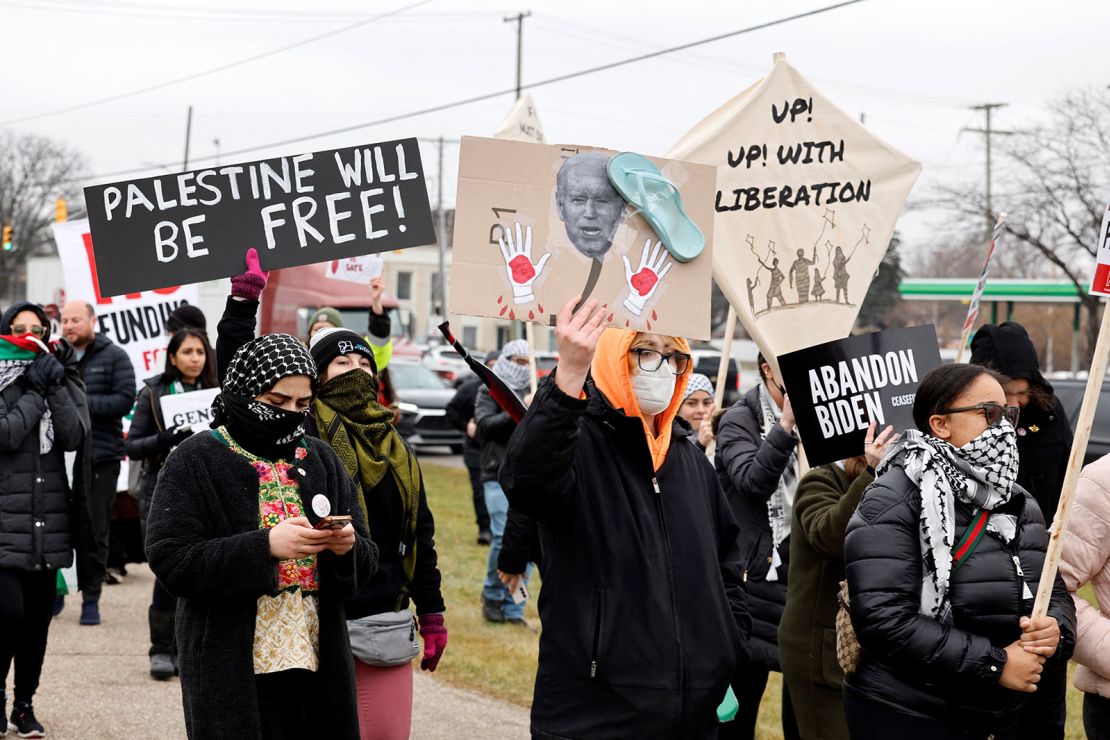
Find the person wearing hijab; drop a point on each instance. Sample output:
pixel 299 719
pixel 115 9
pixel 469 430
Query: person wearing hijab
pixel 757 464
pixel 495 426
pixel 42 416
pixel 643 606
pixel 697 409
pixel 237 531
pixel 942 557
pixel 391 496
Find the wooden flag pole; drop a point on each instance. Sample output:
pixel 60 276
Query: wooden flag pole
pixel 726 352
pixel 530 336
pixel 976 297
pixel 1075 464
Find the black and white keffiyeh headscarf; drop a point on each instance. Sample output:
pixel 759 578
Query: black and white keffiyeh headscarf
pixel 981 474
pixel 780 506
pixel 515 376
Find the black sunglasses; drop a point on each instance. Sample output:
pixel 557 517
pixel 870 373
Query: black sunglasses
pixel 649 360
pixel 993 412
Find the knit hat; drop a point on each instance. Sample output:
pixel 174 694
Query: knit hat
pixel 328 314
pixel 186 316
pixel 329 343
pixel 698 382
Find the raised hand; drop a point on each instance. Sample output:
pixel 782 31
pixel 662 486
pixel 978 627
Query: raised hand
pixel 643 283
pixel 874 447
pixel 250 284
pixel 519 267
pixel 576 337
pixel 377 288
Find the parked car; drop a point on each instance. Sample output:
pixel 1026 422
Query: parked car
pixel 422 398
pixel 545 363
pixel 708 362
pixel 448 364
pixel 1070 392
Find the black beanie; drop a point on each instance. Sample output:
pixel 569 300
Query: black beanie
pixel 186 316
pixel 329 343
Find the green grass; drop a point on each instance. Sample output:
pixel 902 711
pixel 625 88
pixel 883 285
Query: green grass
pixel 499 660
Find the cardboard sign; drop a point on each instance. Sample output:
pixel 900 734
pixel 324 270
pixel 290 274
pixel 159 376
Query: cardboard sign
pixel 838 388
pixel 1101 283
pixel 298 210
pixel 191 410
pixel 806 203
pixel 524 246
pixel 355 269
pixel 522 123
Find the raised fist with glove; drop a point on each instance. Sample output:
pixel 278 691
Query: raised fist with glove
pixel 250 284
pixel 44 372
pixel 435 640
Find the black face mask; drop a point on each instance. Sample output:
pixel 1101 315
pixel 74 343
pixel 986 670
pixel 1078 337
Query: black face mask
pixel 264 430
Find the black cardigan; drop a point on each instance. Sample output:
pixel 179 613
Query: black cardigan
pixel 205 546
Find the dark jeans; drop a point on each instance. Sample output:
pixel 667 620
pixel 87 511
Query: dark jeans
pixel 26 604
pixel 286 702
pixel 1096 716
pixel 1044 713
pixel 749 684
pixel 869 720
pixel 94 526
pixel 478 492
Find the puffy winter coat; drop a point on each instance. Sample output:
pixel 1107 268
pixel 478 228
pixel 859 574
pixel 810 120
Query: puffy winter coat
pixel 1086 559
pixel 749 468
pixel 915 663
pixel 495 426
pixel 35 498
pixel 110 388
pixel 643 609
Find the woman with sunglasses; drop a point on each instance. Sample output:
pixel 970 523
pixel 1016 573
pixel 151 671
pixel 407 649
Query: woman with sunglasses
pixel 643 607
pixel 942 558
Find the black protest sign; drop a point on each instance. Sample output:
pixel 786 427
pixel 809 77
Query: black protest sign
pixel 838 388
pixel 297 210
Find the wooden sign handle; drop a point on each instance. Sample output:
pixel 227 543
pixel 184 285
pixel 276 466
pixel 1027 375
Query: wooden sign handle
pixel 726 351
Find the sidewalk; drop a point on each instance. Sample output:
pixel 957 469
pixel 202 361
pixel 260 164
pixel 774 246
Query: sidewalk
pixel 96 684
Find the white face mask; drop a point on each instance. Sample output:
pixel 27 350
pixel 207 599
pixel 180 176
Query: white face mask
pixel 654 390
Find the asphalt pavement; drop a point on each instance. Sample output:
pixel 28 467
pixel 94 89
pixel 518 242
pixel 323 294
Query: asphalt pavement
pixel 96 682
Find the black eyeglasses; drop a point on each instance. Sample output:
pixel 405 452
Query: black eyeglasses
pixel 20 329
pixel 649 360
pixel 993 412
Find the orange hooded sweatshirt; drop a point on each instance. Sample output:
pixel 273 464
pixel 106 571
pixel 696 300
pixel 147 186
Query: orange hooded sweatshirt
pixel 611 376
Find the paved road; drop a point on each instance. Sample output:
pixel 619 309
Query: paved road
pixel 96 683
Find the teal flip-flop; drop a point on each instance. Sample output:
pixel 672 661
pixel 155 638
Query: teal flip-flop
pixel 728 708
pixel 640 183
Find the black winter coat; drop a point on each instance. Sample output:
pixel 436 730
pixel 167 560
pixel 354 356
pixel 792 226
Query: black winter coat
pixel 1044 444
pixel 205 546
pixel 36 503
pixel 495 427
pixel 643 608
pixel 460 410
pixel 912 662
pixel 110 389
pixel 749 468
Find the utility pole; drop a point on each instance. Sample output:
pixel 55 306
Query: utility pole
pixel 188 134
pixel 216 143
pixel 441 215
pixel 987 131
pixel 519 20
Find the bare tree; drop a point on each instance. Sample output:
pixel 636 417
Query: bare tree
pixel 34 172
pixel 1056 176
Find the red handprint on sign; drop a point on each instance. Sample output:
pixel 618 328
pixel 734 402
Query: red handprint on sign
pixel 518 262
pixel 643 283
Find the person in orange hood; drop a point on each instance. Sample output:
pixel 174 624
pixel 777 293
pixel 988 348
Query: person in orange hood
pixel 643 607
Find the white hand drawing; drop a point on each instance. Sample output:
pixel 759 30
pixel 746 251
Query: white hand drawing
pixel 518 262
pixel 643 283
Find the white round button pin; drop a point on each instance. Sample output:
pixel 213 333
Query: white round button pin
pixel 321 505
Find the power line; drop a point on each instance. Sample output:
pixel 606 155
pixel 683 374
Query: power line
pixel 214 70
pixel 498 93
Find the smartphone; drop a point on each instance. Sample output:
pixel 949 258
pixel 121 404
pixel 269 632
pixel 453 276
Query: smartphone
pixel 334 521
pixel 520 595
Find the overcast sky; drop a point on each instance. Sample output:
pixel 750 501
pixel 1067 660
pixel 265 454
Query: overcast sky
pixel 912 67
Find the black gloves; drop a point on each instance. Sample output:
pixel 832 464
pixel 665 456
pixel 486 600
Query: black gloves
pixel 174 436
pixel 44 372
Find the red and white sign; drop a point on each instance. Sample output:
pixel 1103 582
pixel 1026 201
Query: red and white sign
pixel 1101 284
pixel 355 269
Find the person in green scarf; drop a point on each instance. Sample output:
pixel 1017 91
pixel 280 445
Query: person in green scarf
pixel 387 474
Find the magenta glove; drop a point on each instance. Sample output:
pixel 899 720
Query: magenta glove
pixel 251 283
pixel 435 640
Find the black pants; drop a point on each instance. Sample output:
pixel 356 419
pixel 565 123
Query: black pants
pixel 286 702
pixel 92 540
pixel 474 468
pixel 749 684
pixel 1044 713
pixel 26 608
pixel 869 720
pixel 162 617
pixel 1096 716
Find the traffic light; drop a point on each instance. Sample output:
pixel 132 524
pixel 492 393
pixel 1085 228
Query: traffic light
pixel 6 238
pixel 60 212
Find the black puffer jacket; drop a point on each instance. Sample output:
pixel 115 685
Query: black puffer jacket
pixel 35 498
pixel 643 608
pixel 914 663
pixel 749 469
pixel 110 388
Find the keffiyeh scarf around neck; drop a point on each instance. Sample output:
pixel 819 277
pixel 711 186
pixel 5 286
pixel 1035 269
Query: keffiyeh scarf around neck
pixel 980 474
pixel 780 506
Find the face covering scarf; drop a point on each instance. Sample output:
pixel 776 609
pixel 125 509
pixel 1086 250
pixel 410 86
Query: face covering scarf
pixel 514 375
pixel 654 390
pixel 780 506
pixel 981 474
pixel 16 355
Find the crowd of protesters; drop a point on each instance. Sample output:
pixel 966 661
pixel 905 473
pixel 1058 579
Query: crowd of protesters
pixel 685 552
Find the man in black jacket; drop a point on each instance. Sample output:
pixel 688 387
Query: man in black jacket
pixel 460 411
pixel 110 387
